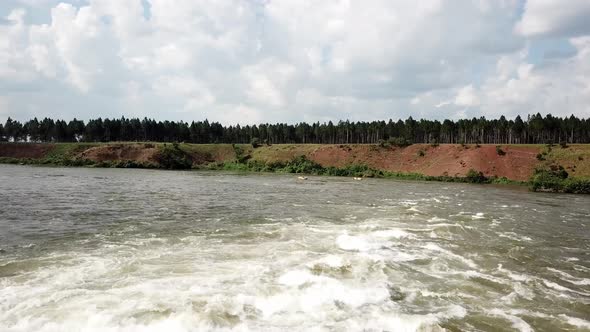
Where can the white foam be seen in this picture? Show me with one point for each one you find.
(517, 322)
(560, 288)
(569, 278)
(295, 278)
(512, 275)
(515, 237)
(392, 233)
(574, 321)
(352, 243)
(478, 215)
(466, 261)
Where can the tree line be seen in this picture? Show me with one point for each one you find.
(536, 129)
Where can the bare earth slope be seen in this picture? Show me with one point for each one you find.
(518, 162)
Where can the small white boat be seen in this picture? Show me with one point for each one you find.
(302, 178)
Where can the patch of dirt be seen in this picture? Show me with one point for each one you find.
(454, 160)
(25, 150)
(115, 152)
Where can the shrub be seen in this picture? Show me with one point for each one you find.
(383, 143)
(421, 153)
(499, 151)
(556, 179)
(540, 156)
(580, 158)
(303, 165)
(399, 142)
(474, 176)
(255, 142)
(563, 144)
(173, 158)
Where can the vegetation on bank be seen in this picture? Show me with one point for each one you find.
(549, 176)
(556, 179)
(302, 165)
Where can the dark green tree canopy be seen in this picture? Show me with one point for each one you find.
(535, 130)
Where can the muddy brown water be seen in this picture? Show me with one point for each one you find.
(142, 250)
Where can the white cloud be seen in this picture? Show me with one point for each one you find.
(290, 60)
(467, 97)
(555, 17)
(562, 88)
(266, 82)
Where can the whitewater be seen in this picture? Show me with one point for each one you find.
(86, 249)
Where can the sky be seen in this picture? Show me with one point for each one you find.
(254, 61)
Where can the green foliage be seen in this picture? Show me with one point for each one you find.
(504, 180)
(536, 129)
(14, 161)
(172, 157)
(540, 157)
(555, 179)
(499, 151)
(399, 142)
(474, 176)
(383, 143)
(549, 147)
(241, 155)
(255, 142)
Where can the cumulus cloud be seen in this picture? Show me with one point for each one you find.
(467, 97)
(555, 18)
(289, 60)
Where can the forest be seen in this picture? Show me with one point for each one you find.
(535, 129)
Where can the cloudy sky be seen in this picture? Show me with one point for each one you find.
(251, 61)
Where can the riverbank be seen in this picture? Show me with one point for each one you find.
(553, 167)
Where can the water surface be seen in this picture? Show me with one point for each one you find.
(140, 250)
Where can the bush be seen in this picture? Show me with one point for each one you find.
(540, 156)
(421, 153)
(563, 144)
(499, 151)
(255, 142)
(173, 158)
(555, 178)
(474, 176)
(399, 142)
(383, 143)
(303, 165)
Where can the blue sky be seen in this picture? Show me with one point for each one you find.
(250, 61)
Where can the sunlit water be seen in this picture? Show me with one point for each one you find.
(140, 250)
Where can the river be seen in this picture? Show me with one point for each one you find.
(85, 249)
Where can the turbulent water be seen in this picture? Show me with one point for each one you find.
(140, 250)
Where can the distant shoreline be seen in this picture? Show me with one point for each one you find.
(541, 166)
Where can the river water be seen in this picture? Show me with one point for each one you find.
(142, 250)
